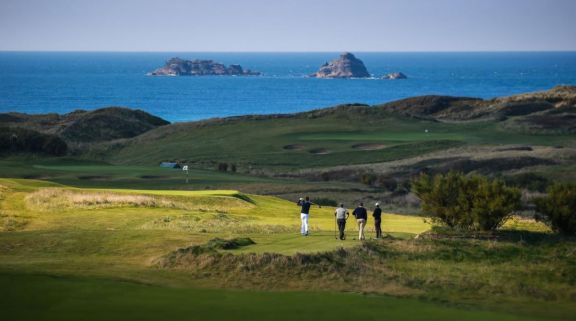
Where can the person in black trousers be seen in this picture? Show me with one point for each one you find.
(378, 220)
(341, 216)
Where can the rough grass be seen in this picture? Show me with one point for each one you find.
(342, 269)
(47, 199)
(9, 222)
(522, 275)
(498, 274)
(215, 223)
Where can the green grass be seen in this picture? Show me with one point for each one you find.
(38, 298)
(97, 259)
(75, 172)
(110, 229)
(261, 143)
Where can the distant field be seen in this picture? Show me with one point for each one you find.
(292, 143)
(87, 174)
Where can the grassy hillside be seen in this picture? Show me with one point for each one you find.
(104, 230)
(347, 153)
(82, 126)
(356, 153)
(288, 143)
(77, 245)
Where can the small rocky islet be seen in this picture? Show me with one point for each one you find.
(344, 67)
(198, 67)
(395, 76)
(348, 66)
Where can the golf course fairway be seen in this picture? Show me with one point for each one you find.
(70, 253)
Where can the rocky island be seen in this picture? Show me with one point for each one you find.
(394, 76)
(346, 66)
(181, 67)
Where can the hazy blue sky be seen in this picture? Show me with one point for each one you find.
(288, 25)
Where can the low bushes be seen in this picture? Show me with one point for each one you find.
(324, 201)
(558, 208)
(466, 202)
(20, 140)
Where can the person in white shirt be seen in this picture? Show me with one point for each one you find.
(304, 214)
(341, 217)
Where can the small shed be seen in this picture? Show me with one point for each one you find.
(169, 165)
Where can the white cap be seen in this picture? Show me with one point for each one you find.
(377, 204)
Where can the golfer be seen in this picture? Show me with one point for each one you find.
(361, 218)
(341, 217)
(377, 215)
(304, 213)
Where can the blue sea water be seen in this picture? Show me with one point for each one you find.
(60, 82)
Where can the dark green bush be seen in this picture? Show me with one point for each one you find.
(530, 181)
(558, 208)
(223, 167)
(20, 140)
(325, 201)
(368, 179)
(466, 202)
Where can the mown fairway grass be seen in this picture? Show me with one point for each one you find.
(92, 258)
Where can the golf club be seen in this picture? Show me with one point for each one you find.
(335, 223)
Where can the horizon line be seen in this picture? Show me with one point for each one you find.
(265, 51)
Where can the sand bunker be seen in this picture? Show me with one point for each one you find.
(369, 146)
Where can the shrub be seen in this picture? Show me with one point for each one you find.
(325, 201)
(20, 140)
(222, 167)
(368, 179)
(473, 203)
(559, 208)
(530, 181)
(388, 183)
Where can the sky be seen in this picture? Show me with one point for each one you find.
(287, 25)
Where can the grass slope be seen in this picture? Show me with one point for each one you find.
(302, 142)
(91, 250)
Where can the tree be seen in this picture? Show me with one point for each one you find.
(559, 208)
(493, 202)
(459, 201)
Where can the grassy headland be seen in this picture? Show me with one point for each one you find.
(103, 230)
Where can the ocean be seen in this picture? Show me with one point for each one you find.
(60, 82)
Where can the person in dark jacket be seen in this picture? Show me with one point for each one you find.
(304, 214)
(361, 218)
(378, 220)
(341, 216)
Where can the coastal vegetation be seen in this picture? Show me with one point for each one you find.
(460, 181)
(467, 202)
(558, 208)
(199, 242)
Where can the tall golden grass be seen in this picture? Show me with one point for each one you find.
(47, 199)
(9, 221)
